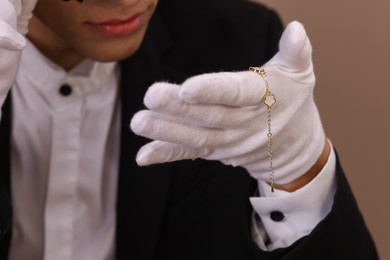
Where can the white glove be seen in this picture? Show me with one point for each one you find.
(14, 17)
(221, 116)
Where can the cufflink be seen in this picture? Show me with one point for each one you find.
(276, 216)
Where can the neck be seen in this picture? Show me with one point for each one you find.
(53, 47)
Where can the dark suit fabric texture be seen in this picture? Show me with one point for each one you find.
(200, 210)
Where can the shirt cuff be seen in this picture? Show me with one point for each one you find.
(288, 216)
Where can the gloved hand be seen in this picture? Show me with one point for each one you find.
(221, 116)
(14, 17)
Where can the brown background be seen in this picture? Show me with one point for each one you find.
(351, 43)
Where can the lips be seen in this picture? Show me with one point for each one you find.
(118, 27)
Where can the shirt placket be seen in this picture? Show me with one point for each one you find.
(62, 183)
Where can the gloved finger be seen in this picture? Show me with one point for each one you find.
(295, 50)
(28, 6)
(10, 39)
(164, 98)
(168, 129)
(16, 6)
(8, 13)
(226, 88)
(161, 152)
(25, 15)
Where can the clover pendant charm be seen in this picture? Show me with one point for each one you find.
(269, 99)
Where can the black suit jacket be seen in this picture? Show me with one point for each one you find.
(200, 210)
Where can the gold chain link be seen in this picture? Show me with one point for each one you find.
(268, 99)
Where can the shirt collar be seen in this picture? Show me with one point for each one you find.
(47, 77)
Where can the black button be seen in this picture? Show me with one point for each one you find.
(277, 216)
(65, 90)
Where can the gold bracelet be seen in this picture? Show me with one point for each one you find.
(268, 99)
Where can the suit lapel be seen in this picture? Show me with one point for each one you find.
(5, 168)
(142, 192)
(5, 142)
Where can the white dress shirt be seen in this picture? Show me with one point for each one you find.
(65, 153)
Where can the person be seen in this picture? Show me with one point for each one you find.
(209, 170)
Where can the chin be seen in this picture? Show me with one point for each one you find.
(111, 57)
(112, 51)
